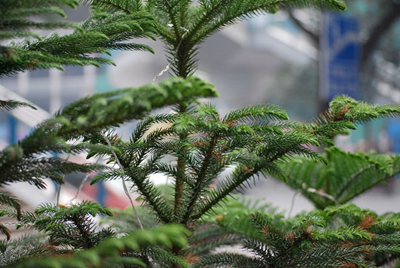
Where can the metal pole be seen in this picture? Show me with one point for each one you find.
(23, 83)
(55, 90)
(13, 124)
(323, 101)
(89, 80)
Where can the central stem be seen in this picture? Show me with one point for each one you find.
(179, 184)
(181, 57)
(180, 66)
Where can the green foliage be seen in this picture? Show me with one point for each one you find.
(27, 161)
(73, 226)
(6, 199)
(11, 104)
(250, 139)
(345, 176)
(206, 235)
(99, 34)
(112, 108)
(27, 246)
(247, 141)
(184, 25)
(108, 252)
(195, 147)
(354, 111)
(335, 237)
(71, 232)
(344, 236)
(16, 16)
(124, 221)
(346, 113)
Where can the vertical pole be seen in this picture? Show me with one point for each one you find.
(323, 93)
(54, 105)
(55, 90)
(88, 88)
(89, 80)
(23, 83)
(22, 89)
(101, 193)
(13, 124)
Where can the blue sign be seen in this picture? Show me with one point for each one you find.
(340, 56)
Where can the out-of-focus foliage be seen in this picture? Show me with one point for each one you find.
(344, 177)
(98, 34)
(338, 236)
(111, 251)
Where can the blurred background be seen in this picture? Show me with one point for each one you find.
(297, 59)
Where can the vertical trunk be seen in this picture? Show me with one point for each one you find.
(179, 184)
(180, 66)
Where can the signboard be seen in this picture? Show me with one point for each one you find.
(340, 48)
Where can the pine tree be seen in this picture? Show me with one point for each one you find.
(193, 148)
(201, 143)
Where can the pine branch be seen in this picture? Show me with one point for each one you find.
(10, 200)
(256, 113)
(345, 114)
(11, 104)
(99, 34)
(17, 4)
(239, 176)
(226, 260)
(150, 194)
(197, 189)
(343, 108)
(138, 173)
(221, 13)
(208, 237)
(5, 231)
(314, 239)
(26, 246)
(122, 105)
(72, 225)
(111, 6)
(164, 258)
(108, 252)
(344, 177)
